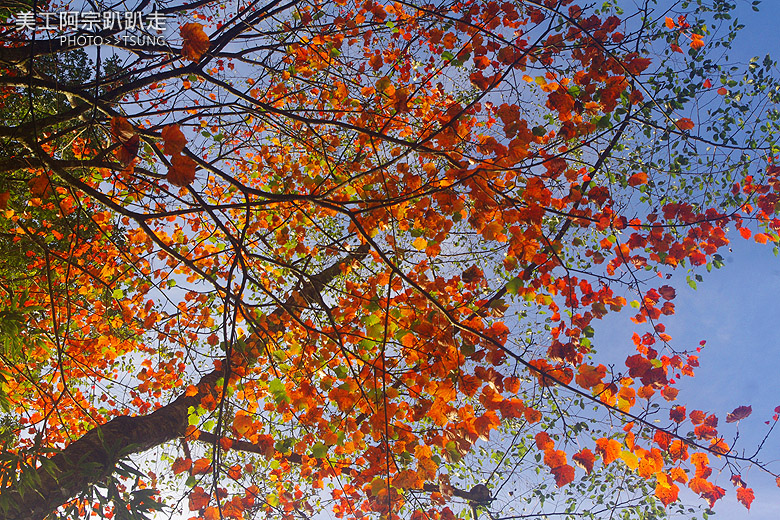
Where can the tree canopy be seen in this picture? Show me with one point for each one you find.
(290, 258)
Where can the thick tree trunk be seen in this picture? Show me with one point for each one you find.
(92, 458)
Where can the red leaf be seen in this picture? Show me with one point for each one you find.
(677, 414)
(563, 475)
(739, 413)
(198, 498)
(125, 135)
(667, 292)
(584, 459)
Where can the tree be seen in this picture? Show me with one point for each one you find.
(351, 256)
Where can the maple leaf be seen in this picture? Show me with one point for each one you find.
(739, 413)
(173, 140)
(182, 171)
(697, 41)
(195, 42)
(202, 465)
(590, 376)
(667, 292)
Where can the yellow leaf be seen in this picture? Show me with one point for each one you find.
(420, 243)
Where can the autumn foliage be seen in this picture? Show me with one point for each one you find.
(352, 256)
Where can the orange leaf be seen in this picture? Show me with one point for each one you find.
(195, 42)
(669, 23)
(678, 475)
(544, 442)
(182, 171)
(590, 376)
(532, 415)
(666, 490)
(191, 390)
(201, 466)
(745, 495)
(761, 238)
(493, 231)
(181, 465)
(173, 140)
(40, 186)
(585, 460)
(669, 393)
(609, 449)
(745, 232)
(4, 196)
(684, 123)
(198, 498)
(242, 424)
(678, 450)
(234, 472)
(739, 413)
(554, 458)
(638, 179)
